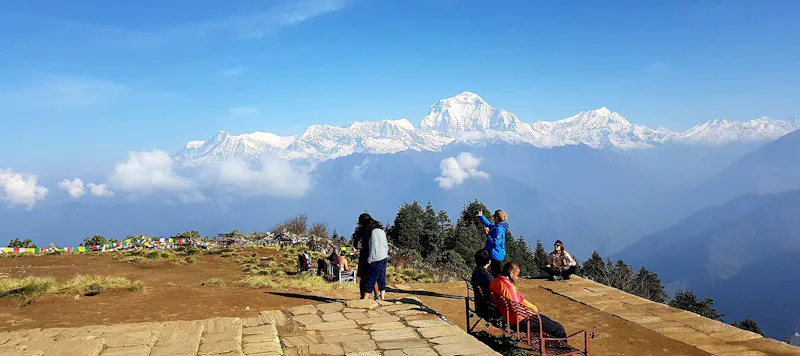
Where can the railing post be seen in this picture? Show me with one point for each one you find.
(586, 341)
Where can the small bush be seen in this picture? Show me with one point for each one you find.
(92, 285)
(296, 282)
(189, 261)
(28, 287)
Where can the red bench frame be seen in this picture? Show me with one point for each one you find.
(537, 343)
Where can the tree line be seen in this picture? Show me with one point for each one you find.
(429, 236)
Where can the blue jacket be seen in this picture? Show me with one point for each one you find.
(496, 242)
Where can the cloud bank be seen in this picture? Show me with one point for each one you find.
(456, 170)
(19, 189)
(145, 173)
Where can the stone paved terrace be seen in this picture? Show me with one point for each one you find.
(709, 335)
(352, 328)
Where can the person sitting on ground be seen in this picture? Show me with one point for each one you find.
(481, 280)
(505, 286)
(496, 239)
(560, 265)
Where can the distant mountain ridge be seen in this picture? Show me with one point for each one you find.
(467, 119)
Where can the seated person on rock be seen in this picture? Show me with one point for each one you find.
(481, 280)
(505, 286)
(560, 264)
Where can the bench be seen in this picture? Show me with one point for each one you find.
(304, 265)
(338, 274)
(537, 340)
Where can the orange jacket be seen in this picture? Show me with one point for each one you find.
(503, 286)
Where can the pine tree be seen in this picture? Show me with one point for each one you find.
(517, 250)
(409, 227)
(595, 269)
(749, 325)
(687, 300)
(647, 285)
(467, 234)
(540, 258)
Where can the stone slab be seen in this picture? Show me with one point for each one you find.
(397, 334)
(68, 347)
(263, 329)
(260, 338)
(220, 347)
(428, 323)
(307, 319)
(142, 350)
(326, 349)
(221, 325)
(230, 335)
(299, 341)
(463, 349)
(302, 310)
(336, 332)
(385, 326)
(180, 333)
(330, 307)
(272, 316)
(345, 338)
(175, 349)
(366, 353)
(361, 304)
(378, 320)
(455, 339)
(421, 317)
(136, 338)
(399, 307)
(402, 344)
(439, 331)
(356, 316)
(261, 347)
(418, 351)
(411, 312)
(333, 317)
(349, 324)
(359, 346)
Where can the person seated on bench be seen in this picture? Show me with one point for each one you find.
(481, 280)
(303, 263)
(560, 264)
(342, 262)
(505, 285)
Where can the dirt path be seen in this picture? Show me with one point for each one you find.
(174, 292)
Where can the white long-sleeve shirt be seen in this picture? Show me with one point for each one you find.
(378, 246)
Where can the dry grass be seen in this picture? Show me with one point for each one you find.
(217, 282)
(33, 287)
(293, 282)
(408, 275)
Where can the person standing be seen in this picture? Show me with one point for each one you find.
(363, 235)
(378, 258)
(560, 264)
(496, 239)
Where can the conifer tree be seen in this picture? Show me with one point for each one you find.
(749, 325)
(540, 258)
(687, 300)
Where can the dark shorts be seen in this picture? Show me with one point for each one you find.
(376, 274)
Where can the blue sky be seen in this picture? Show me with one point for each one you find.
(84, 82)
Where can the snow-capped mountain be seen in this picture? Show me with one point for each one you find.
(601, 128)
(468, 119)
(721, 132)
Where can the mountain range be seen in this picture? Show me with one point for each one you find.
(467, 119)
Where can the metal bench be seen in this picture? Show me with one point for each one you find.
(339, 274)
(537, 341)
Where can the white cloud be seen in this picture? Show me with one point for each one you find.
(73, 187)
(148, 171)
(271, 176)
(456, 170)
(232, 71)
(99, 190)
(242, 111)
(18, 189)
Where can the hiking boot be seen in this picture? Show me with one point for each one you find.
(566, 278)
